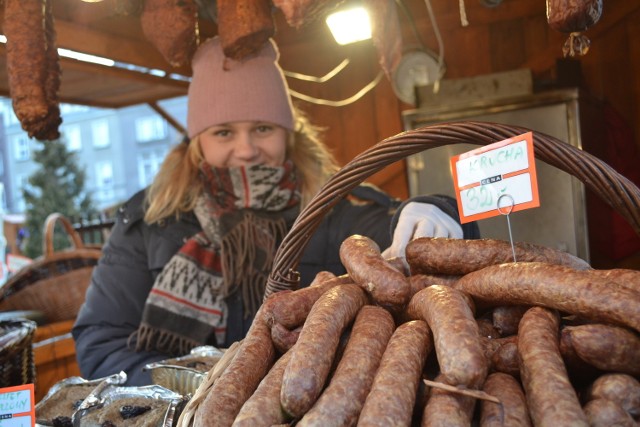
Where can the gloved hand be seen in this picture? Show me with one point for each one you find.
(421, 220)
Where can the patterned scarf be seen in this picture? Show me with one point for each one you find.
(241, 214)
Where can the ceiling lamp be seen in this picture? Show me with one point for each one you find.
(349, 25)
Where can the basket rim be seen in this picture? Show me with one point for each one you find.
(613, 188)
(87, 258)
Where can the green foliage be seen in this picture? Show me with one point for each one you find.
(57, 186)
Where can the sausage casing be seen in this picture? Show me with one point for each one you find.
(551, 398)
(620, 388)
(606, 347)
(362, 259)
(557, 287)
(439, 255)
(445, 408)
(394, 389)
(263, 407)
(291, 308)
(312, 356)
(455, 334)
(606, 413)
(240, 379)
(514, 410)
(342, 400)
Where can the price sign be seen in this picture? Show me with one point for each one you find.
(483, 175)
(17, 408)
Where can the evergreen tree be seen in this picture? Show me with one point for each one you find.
(57, 186)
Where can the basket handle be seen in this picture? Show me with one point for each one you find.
(616, 190)
(49, 228)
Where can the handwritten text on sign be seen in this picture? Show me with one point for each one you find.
(17, 406)
(482, 175)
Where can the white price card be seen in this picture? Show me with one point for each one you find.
(17, 407)
(482, 176)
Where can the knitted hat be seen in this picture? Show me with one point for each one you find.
(223, 90)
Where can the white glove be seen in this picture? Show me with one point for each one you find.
(421, 220)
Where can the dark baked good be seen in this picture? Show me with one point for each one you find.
(63, 402)
(135, 411)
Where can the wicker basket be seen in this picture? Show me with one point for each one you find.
(616, 190)
(16, 352)
(55, 283)
(612, 187)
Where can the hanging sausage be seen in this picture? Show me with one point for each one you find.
(573, 17)
(33, 67)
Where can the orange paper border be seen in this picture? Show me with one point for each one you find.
(534, 203)
(32, 412)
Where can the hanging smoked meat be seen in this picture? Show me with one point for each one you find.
(573, 17)
(244, 26)
(170, 25)
(33, 66)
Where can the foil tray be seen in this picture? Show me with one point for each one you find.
(182, 374)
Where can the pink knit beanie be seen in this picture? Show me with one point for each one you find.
(223, 90)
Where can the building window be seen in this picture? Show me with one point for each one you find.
(148, 165)
(21, 147)
(151, 128)
(73, 138)
(104, 181)
(100, 133)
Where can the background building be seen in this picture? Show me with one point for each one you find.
(120, 149)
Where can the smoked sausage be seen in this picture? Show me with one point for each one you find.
(263, 407)
(362, 259)
(514, 411)
(455, 334)
(557, 287)
(439, 255)
(244, 26)
(606, 347)
(313, 354)
(606, 413)
(445, 408)
(342, 400)
(620, 388)
(394, 389)
(240, 379)
(551, 398)
(170, 26)
(291, 308)
(283, 338)
(507, 317)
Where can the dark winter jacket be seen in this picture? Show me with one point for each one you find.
(136, 253)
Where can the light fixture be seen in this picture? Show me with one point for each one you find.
(350, 24)
(92, 1)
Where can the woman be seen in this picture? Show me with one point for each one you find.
(188, 259)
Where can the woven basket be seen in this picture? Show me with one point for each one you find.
(16, 352)
(55, 283)
(615, 189)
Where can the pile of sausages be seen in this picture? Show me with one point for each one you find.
(461, 335)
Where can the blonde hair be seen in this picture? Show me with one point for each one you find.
(176, 187)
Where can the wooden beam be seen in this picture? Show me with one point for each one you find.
(120, 49)
(168, 117)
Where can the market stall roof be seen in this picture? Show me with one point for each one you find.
(108, 30)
